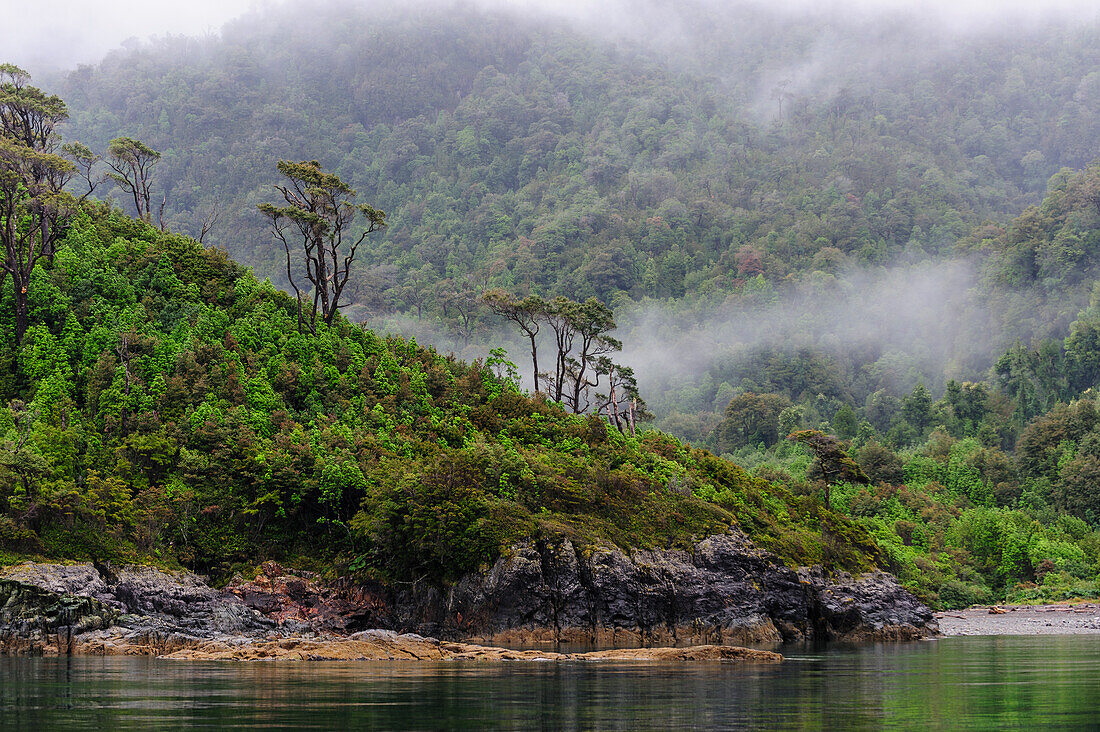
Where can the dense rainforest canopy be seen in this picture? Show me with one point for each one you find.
(164, 404)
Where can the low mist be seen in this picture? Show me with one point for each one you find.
(923, 322)
(928, 309)
(890, 328)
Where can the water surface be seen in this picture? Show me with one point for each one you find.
(953, 683)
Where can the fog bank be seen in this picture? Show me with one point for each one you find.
(59, 34)
(924, 321)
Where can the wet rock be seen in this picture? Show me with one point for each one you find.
(723, 591)
(136, 602)
(411, 647)
(184, 601)
(65, 579)
(871, 607)
(299, 600)
(31, 618)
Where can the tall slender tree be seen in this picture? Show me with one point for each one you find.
(582, 352)
(131, 162)
(85, 162)
(526, 314)
(319, 215)
(591, 321)
(33, 204)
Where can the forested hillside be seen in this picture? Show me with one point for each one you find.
(877, 238)
(998, 477)
(738, 160)
(164, 405)
(522, 153)
(868, 340)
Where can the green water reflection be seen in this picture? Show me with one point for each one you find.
(955, 683)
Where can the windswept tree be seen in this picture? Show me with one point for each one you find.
(85, 162)
(28, 118)
(318, 216)
(581, 368)
(131, 162)
(589, 322)
(526, 314)
(832, 464)
(208, 222)
(31, 214)
(33, 205)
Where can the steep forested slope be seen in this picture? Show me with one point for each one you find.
(163, 404)
(735, 168)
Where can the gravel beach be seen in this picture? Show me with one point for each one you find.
(1022, 620)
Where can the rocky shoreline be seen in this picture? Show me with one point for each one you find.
(724, 590)
(380, 645)
(655, 605)
(177, 616)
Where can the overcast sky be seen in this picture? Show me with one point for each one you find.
(66, 32)
(62, 33)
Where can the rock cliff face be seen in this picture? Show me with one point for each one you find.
(30, 614)
(725, 590)
(180, 600)
(81, 608)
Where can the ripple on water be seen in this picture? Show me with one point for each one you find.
(964, 682)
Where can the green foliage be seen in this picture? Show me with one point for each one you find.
(531, 159)
(945, 523)
(173, 410)
(163, 400)
(318, 215)
(752, 419)
(832, 464)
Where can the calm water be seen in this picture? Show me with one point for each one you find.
(955, 683)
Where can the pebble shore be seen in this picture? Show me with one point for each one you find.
(1083, 618)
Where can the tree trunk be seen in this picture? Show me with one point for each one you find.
(21, 310)
(614, 399)
(534, 362)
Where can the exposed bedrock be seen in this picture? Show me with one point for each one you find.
(723, 591)
(82, 608)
